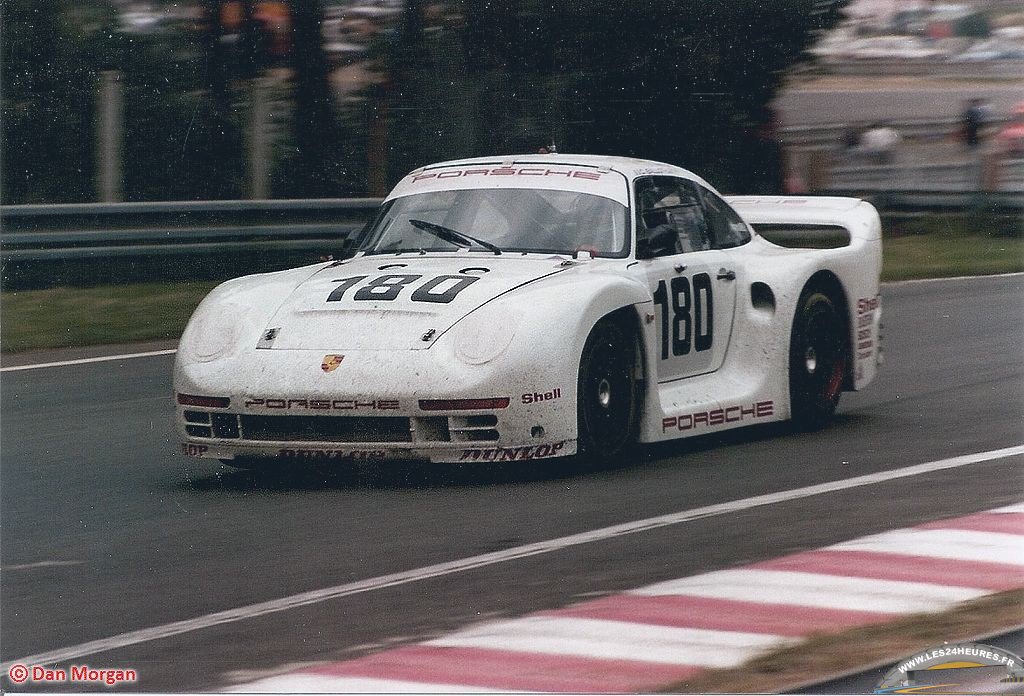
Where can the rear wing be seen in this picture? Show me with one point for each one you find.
(810, 220)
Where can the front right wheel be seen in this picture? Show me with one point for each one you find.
(818, 360)
(606, 400)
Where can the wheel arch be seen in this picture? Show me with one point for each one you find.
(828, 283)
(628, 316)
(627, 320)
(594, 298)
(561, 314)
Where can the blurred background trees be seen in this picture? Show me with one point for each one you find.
(48, 89)
(680, 81)
(181, 138)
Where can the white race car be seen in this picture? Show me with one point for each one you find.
(532, 307)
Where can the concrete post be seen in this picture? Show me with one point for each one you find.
(109, 137)
(259, 142)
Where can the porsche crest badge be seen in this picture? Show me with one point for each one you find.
(331, 362)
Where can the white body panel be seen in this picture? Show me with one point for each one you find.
(511, 326)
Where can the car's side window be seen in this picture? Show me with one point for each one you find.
(670, 219)
(726, 227)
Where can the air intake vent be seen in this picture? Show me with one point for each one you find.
(473, 428)
(325, 429)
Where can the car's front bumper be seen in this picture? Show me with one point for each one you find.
(371, 406)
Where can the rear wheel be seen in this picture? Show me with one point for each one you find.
(818, 360)
(606, 392)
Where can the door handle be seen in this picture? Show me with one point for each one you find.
(726, 274)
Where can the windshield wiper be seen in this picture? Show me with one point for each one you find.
(451, 236)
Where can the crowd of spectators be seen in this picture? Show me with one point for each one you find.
(979, 129)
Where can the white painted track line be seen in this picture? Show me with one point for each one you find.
(920, 281)
(84, 361)
(327, 684)
(954, 544)
(816, 590)
(614, 640)
(251, 611)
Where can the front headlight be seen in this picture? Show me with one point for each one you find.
(214, 332)
(484, 335)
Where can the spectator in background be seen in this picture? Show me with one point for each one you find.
(972, 123)
(1011, 137)
(879, 143)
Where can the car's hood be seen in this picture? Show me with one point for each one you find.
(357, 305)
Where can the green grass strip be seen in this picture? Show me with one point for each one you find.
(66, 317)
(949, 251)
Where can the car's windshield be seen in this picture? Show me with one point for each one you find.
(512, 219)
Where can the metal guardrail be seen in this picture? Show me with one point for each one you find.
(909, 178)
(941, 68)
(86, 244)
(832, 134)
(95, 231)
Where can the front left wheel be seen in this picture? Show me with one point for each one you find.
(606, 395)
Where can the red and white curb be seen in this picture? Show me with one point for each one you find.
(652, 636)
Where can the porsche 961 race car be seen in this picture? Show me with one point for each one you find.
(519, 308)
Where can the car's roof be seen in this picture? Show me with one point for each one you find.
(630, 167)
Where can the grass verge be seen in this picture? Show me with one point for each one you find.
(823, 656)
(946, 246)
(71, 317)
(67, 317)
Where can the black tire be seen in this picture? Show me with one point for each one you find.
(818, 360)
(606, 403)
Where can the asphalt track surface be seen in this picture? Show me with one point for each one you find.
(107, 530)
